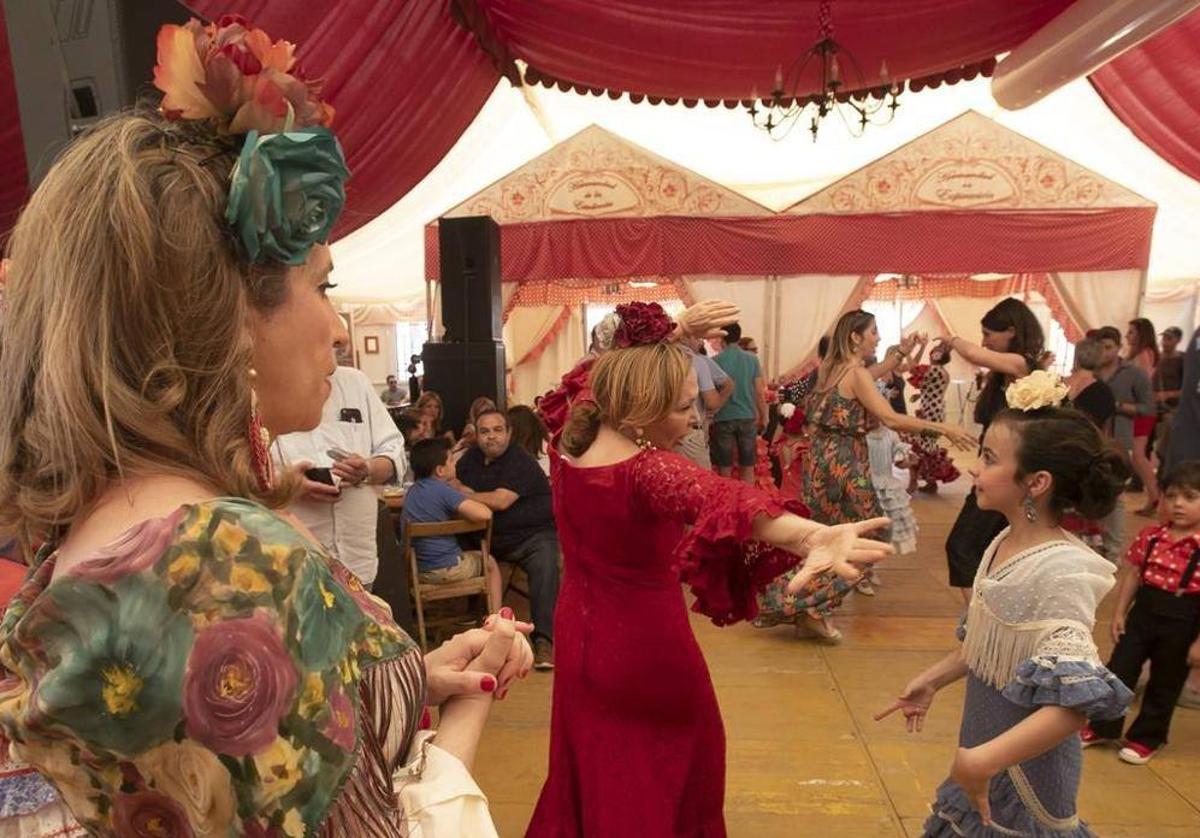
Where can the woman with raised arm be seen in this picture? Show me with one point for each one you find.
(184, 658)
(637, 745)
(1012, 347)
(843, 406)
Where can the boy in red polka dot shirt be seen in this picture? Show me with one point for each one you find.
(1162, 584)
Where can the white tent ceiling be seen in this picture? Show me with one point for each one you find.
(384, 261)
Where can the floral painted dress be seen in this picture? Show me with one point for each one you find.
(837, 489)
(837, 473)
(211, 673)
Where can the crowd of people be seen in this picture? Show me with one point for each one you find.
(197, 647)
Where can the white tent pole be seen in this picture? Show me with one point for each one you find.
(1086, 36)
(764, 337)
(778, 353)
(429, 308)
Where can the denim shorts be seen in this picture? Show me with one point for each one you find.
(743, 432)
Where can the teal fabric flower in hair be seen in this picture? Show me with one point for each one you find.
(288, 190)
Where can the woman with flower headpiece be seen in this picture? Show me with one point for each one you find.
(1033, 673)
(1012, 347)
(184, 659)
(636, 744)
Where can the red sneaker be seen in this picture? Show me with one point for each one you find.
(1135, 753)
(1089, 737)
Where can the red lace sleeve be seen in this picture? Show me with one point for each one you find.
(716, 558)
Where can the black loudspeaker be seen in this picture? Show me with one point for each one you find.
(470, 271)
(461, 373)
(77, 60)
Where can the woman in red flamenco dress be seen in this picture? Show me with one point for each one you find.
(637, 745)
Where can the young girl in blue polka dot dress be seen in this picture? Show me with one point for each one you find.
(1032, 669)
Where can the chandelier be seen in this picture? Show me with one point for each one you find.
(857, 105)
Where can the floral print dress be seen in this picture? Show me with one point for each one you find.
(837, 489)
(211, 673)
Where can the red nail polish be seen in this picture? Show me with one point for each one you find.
(487, 684)
(507, 613)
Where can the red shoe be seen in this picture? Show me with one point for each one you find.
(1089, 737)
(1135, 753)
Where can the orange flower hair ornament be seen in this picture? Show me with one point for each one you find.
(288, 186)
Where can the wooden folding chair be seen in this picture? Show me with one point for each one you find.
(425, 592)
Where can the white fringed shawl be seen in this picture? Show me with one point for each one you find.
(1041, 604)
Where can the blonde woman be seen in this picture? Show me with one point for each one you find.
(431, 405)
(631, 689)
(184, 658)
(843, 406)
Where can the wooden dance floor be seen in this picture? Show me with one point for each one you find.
(805, 757)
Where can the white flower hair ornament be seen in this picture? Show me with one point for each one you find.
(606, 330)
(787, 410)
(1039, 389)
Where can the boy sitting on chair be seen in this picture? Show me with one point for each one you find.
(432, 500)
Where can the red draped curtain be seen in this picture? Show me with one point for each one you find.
(714, 50)
(950, 241)
(14, 177)
(1155, 90)
(407, 78)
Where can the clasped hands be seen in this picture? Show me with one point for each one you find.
(479, 663)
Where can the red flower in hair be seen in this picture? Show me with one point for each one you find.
(642, 324)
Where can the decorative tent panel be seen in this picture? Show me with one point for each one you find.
(969, 163)
(581, 292)
(950, 241)
(596, 174)
(1006, 205)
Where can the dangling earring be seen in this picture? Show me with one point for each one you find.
(640, 439)
(260, 441)
(1030, 510)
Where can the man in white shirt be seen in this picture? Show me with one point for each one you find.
(360, 445)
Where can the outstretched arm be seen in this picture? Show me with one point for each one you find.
(670, 486)
(917, 696)
(878, 406)
(1007, 363)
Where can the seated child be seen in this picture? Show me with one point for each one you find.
(1163, 586)
(431, 500)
